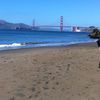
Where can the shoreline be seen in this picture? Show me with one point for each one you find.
(89, 44)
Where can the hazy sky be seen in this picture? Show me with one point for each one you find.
(75, 12)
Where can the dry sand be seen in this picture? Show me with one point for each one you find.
(56, 73)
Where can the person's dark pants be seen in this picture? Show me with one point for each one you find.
(98, 42)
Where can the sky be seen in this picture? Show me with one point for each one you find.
(48, 12)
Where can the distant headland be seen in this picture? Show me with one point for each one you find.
(14, 26)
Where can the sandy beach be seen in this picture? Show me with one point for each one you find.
(56, 73)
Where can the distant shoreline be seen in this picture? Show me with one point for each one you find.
(30, 30)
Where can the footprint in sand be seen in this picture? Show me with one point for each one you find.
(68, 68)
(12, 98)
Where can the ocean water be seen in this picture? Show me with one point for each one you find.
(10, 39)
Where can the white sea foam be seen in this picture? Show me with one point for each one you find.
(10, 45)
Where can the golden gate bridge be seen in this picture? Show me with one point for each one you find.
(61, 26)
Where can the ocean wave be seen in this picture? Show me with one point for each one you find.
(10, 45)
(39, 44)
(32, 43)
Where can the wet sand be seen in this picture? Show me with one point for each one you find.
(56, 73)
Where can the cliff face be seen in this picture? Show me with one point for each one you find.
(7, 25)
(95, 33)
